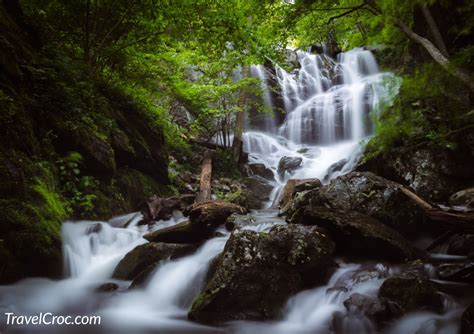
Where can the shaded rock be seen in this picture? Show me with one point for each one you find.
(204, 217)
(261, 170)
(461, 244)
(212, 213)
(296, 185)
(157, 208)
(107, 287)
(95, 228)
(335, 167)
(288, 164)
(467, 320)
(238, 221)
(378, 311)
(458, 272)
(258, 192)
(433, 173)
(138, 259)
(463, 197)
(374, 196)
(411, 293)
(258, 272)
(358, 234)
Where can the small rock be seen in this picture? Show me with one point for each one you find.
(288, 164)
(107, 287)
(261, 170)
(463, 197)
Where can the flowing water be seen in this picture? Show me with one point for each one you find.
(328, 105)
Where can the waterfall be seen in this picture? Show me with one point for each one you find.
(329, 105)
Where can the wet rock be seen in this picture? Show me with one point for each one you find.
(378, 311)
(212, 213)
(457, 272)
(157, 208)
(461, 244)
(258, 192)
(467, 320)
(434, 174)
(138, 259)
(238, 221)
(335, 167)
(296, 185)
(258, 272)
(107, 287)
(204, 217)
(288, 164)
(261, 170)
(463, 197)
(96, 228)
(358, 234)
(411, 294)
(373, 196)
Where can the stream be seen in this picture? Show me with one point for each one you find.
(328, 104)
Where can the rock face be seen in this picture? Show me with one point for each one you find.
(462, 244)
(293, 186)
(258, 191)
(142, 257)
(411, 293)
(371, 195)
(288, 164)
(262, 171)
(378, 311)
(358, 234)
(434, 174)
(467, 320)
(204, 217)
(258, 272)
(463, 197)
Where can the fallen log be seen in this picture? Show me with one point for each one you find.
(456, 220)
(205, 183)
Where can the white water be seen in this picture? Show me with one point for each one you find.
(326, 118)
(328, 107)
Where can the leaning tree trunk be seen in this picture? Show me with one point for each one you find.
(437, 55)
(206, 172)
(438, 39)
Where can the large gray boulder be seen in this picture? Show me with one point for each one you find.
(358, 234)
(258, 272)
(204, 217)
(146, 255)
(371, 195)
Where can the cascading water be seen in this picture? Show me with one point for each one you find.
(327, 105)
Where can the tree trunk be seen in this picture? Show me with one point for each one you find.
(237, 144)
(438, 39)
(206, 172)
(455, 220)
(437, 55)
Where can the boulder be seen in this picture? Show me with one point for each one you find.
(204, 217)
(373, 196)
(258, 272)
(380, 312)
(433, 173)
(157, 208)
(463, 197)
(467, 320)
(262, 171)
(457, 272)
(296, 185)
(358, 234)
(149, 254)
(335, 167)
(411, 293)
(107, 287)
(461, 244)
(288, 164)
(258, 191)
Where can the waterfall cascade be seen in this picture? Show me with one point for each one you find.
(328, 105)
